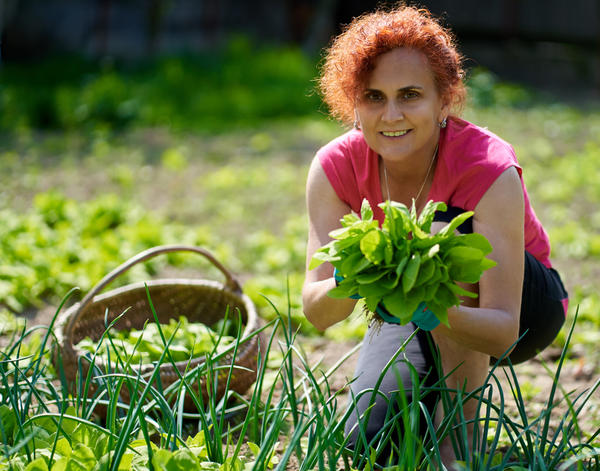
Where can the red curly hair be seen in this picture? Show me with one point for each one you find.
(351, 58)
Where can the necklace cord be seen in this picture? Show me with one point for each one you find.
(387, 183)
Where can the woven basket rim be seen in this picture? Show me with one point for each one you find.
(252, 321)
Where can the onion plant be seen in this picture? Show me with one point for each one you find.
(291, 418)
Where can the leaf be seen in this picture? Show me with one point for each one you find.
(353, 264)
(8, 422)
(344, 290)
(390, 281)
(410, 274)
(63, 448)
(446, 296)
(395, 303)
(452, 225)
(39, 464)
(463, 255)
(440, 311)
(388, 252)
(372, 245)
(319, 257)
(161, 458)
(366, 213)
(351, 239)
(426, 271)
(372, 302)
(126, 462)
(198, 440)
(397, 220)
(460, 291)
(467, 273)
(476, 240)
(349, 219)
(183, 460)
(370, 277)
(347, 234)
(428, 213)
(401, 265)
(254, 448)
(430, 291)
(418, 293)
(372, 289)
(487, 263)
(400, 305)
(82, 458)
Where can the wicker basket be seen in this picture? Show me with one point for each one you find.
(203, 301)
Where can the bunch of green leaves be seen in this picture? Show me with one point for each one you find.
(189, 340)
(402, 264)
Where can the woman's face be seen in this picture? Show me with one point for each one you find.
(400, 110)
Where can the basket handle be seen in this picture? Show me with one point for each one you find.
(230, 281)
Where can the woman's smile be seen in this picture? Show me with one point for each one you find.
(395, 133)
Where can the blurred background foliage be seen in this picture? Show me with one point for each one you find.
(208, 92)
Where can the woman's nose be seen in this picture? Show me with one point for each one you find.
(393, 111)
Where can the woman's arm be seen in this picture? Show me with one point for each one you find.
(493, 326)
(325, 210)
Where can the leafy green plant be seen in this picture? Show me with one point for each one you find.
(401, 264)
(188, 340)
(62, 243)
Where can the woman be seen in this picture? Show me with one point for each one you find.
(397, 76)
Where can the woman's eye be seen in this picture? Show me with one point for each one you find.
(410, 94)
(373, 96)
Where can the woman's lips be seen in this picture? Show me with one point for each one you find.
(395, 133)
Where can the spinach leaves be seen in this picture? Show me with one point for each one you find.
(401, 264)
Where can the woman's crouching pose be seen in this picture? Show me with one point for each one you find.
(397, 77)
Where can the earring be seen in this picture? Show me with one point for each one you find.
(356, 123)
(444, 123)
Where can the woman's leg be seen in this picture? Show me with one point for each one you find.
(543, 310)
(380, 344)
(464, 370)
(542, 315)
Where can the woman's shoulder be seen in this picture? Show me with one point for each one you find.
(463, 135)
(471, 159)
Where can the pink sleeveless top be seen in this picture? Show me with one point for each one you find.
(470, 159)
